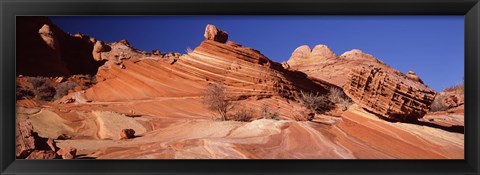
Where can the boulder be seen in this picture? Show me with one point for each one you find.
(127, 134)
(98, 48)
(389, 94)
(215, 34)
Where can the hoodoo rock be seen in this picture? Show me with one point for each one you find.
(388, 94)
(215, 34)
(98, 48)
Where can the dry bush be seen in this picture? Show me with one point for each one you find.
(337, 96)
(46, 93)
(267, 114)
(63, 89)
(41, 88)
(37, 81)
(314, 101)
(438, 104)
(216, 99)
(23, 93)
(243, 114)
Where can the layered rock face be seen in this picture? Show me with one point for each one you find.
(323, 64)
(388, 94)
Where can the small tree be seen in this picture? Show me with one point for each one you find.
(266, 114)
(215, 98)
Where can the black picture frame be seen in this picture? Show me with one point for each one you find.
(9, 9)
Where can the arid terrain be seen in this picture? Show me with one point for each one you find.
(81, 98)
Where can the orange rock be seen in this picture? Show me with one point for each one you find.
(388, 94)
(215, 34)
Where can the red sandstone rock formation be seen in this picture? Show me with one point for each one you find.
(215, 34)
(164, 91)
(388, 94)
(31, 146)
(25, 142)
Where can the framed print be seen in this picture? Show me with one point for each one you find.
(294, 87)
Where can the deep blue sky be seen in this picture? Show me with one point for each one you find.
(431, 46)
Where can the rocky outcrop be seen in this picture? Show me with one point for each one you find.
(31, 146)
(390, 95)
(215, 34)
(413, 76)
(98, 48)
(303, 55)
(127, 134)
(43, 49)
(323, 64)
(25, 142)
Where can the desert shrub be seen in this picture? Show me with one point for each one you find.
(23, 93)
(37, 81)
(243, 114)
(216, 99)
(45, 93)
(438, 104)
(63, 89)
(314, 101)
(267, 114)
(337, 96)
